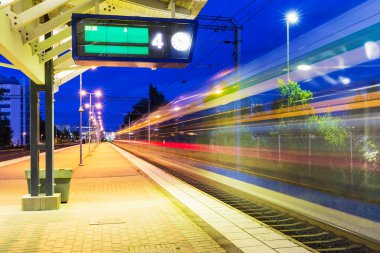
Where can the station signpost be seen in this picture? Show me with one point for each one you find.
(103, 40)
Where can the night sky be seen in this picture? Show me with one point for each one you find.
(264, 29)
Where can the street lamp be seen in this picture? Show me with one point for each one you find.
(91, 118)
(291, 17)
(81, 93)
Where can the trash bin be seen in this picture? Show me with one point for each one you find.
(62, 178)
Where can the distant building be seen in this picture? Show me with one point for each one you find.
(15, 106)
(110, 136)
(62, 127)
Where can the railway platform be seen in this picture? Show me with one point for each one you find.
(120, 203)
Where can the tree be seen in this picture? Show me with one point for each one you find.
(156, 98)
(292, 98)
(5, 127)
(291, 94)
(76, 135)
(5, 132)
(66, 134)
(331, 128)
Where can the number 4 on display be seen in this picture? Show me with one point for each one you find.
(157, 41)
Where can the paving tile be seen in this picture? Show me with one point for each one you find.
(251, 242)
(270, 236)
(258, 249)
(293, 250)
(276, 244)
(239, 235)
(255, 231)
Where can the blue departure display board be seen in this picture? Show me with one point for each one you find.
(103, 40)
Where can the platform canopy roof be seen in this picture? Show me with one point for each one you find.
(24, 24)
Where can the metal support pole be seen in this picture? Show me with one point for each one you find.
(80, 122)
(237, 46)
(172, 3)
(49, 132)
(129, 126)
(34, 136)
(89, 126)
(149, 121)
(287, 50)
(351, 162)
(258, 147)
(96, 6)
(279, 148)
(309, 154)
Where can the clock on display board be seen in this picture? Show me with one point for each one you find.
(181, 41)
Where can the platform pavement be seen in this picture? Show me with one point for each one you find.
(112, 208)
(115, 207)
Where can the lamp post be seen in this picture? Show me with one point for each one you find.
(80, 120)
(89, 106)
(291, 17)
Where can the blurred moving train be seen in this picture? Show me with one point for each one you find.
(329, 142)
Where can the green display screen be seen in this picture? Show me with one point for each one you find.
(106, 49)
(116, 34)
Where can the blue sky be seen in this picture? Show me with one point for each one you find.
(264, 29)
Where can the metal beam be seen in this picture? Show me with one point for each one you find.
(6, 65)
(39, 47)
(21, 19)
(63, 59)
(59, 70)
(35, 33)
(158, 6)
(5, 3)
(44, 57)
(12, 48)
(69, 76)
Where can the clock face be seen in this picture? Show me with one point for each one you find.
(181, 41)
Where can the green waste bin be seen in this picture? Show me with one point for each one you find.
(62, 178)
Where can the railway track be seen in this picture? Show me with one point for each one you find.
(314, 234)
(9, 154)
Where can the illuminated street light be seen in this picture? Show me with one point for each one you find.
(98, 106)
(291, 17)
(87, 105)
(98, 93)
(99, 113)
(83, 93)
(304, 67)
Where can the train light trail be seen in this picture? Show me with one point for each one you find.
(218, 91)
